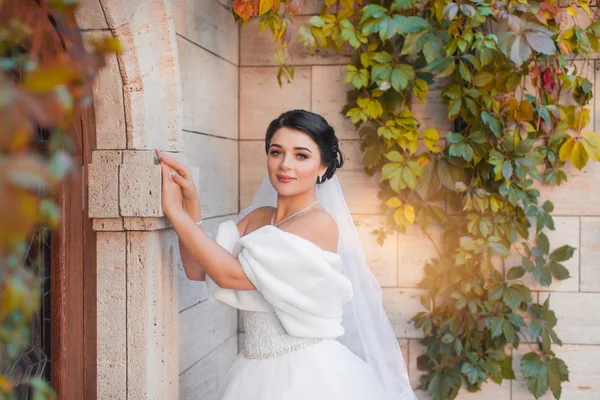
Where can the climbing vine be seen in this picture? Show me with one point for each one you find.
(35, 92)
(512, 76)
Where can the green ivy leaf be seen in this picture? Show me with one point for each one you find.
(559, 271)
(542, 243)
(381, 73)
(474, 374)
(454, 107)
(464, 71)
(511, 298)
(382, 57)
(492, 122)
(507, 170)
(516, 319)
(557, 373)
(515, 273)
(563, 253)
(433, 48)
(506, 368)
(413, 25)
(509, 332)
(413, 43)
(373, 11)
(483, 79)
(401, 75)
(494, 324)
(535, 373)
(448, 338)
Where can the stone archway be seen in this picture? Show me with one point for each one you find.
(137, 101)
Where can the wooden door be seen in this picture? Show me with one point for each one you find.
(65, 329)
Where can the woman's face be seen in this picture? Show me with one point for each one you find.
(293, 162)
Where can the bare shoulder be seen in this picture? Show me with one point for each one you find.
(255, 219)
(318, 227)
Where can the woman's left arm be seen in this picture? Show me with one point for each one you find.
(219, 264)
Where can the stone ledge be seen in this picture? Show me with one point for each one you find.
(125, 190)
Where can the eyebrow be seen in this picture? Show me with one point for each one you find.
(295, 148)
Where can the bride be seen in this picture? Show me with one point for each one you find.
(295, 268)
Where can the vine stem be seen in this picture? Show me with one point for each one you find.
(437, 250)
(527, 340)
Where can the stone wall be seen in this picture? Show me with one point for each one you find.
(187, 83)
(137, 109)
(175, 88)
(398, 265)
(208, 48)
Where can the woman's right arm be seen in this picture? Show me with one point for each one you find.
(193, 270)
(224, 269)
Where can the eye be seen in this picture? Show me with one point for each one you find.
(302, 155)
(274, 152)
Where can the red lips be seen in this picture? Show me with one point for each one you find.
(285, 178)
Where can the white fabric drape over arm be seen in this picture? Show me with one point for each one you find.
(302, 283)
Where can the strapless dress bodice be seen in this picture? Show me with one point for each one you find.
(266, 337)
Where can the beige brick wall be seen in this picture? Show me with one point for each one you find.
(211, 105)
(208, 51)
(398, 265)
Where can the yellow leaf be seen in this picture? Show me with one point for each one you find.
(592, 138)
(525, 110)
(527, 127)
(265, 6)
(279, 56)
(412, 146)
(113, 44)
(46, 79)
(585, 6)
(593, 152)
(375, 109)
(579, 156)
(400, 218)
(495, 203)
(581, 119)
(566, 149)
(432, 136)
(409, 213)
(393, 202)
(572, 11)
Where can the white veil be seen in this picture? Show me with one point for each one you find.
(368, 332)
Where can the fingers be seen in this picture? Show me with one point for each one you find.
(166, 173)
(180, 168)
(178, 179)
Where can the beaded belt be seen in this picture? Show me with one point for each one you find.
(281, 352)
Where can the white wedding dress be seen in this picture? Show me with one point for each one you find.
(291, 321)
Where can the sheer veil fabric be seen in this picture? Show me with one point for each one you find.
(368, 332)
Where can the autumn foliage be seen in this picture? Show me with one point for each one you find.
(519, 104)
(37, 91)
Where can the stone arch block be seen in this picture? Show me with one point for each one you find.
(148, 69)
